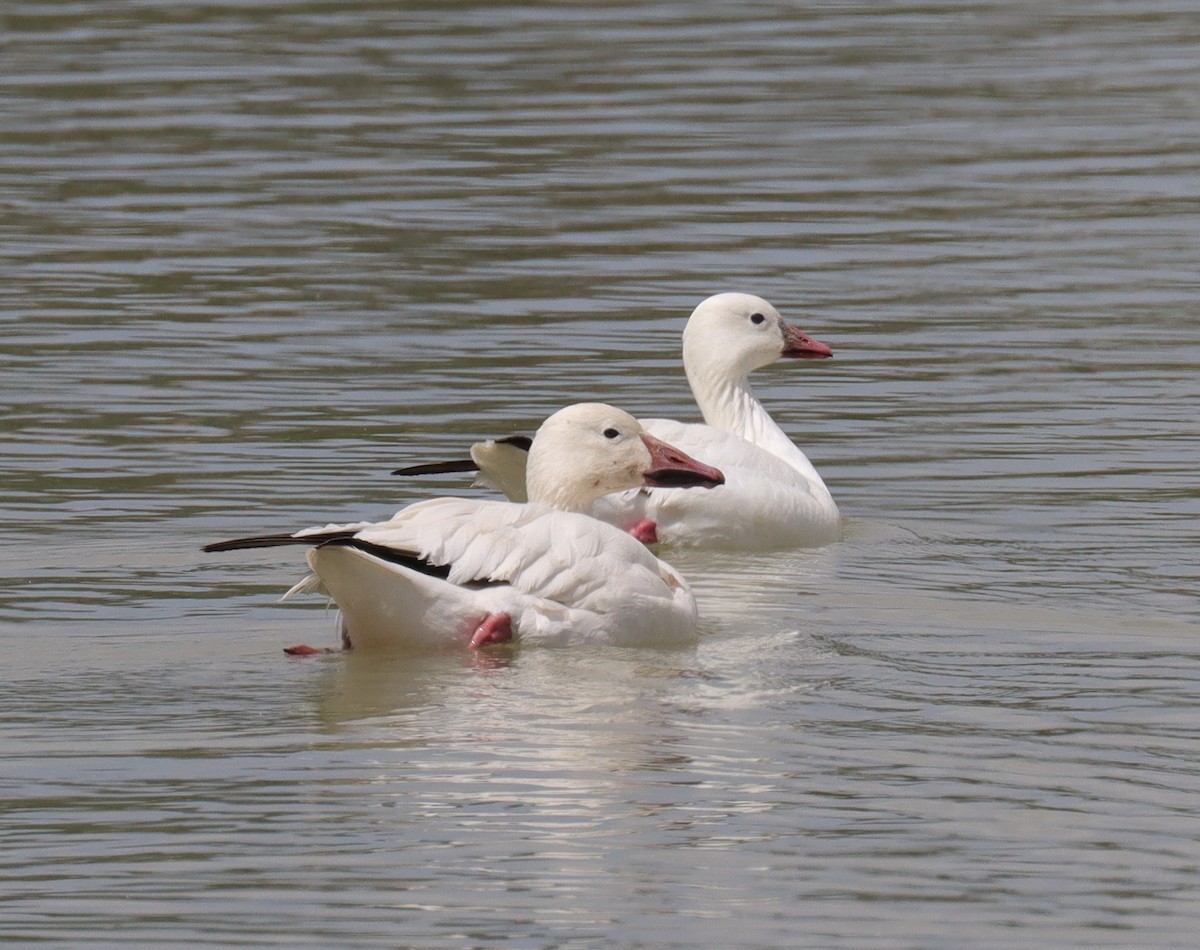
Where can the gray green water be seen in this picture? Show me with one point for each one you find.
(256, 254)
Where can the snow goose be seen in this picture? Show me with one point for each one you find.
(773, 498)
(475, 571)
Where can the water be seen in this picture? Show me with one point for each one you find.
(257, 254)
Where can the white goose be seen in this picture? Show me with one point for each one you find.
(472, 572)
(773, 497)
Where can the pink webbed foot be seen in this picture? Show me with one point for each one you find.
(645, 531)
(495, 628)
(303, 649)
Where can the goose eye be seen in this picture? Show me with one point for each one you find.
(757, 318)
(611, 433)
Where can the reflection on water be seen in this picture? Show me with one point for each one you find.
(261, 254)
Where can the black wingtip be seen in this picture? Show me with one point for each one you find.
(409, 559)
(522, 442)
(276, 540)
(264, 541)
(457, 466)
(438, 468)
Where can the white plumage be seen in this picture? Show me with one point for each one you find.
(561, 577)
(764, 505)
(773, 498)
(456, 570)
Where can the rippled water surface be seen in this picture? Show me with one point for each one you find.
(256, 254)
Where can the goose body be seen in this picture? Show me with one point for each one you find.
(769, 505)
(474, 571)
(773, 497)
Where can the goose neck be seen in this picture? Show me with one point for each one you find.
(728, 404)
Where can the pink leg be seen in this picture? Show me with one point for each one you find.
(495, 628)
(645, 531)
(303, 649)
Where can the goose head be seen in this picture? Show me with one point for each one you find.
(728, 336)
(590, 449)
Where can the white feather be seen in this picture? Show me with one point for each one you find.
(555, 574)
(561, 577)
(773, 497)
